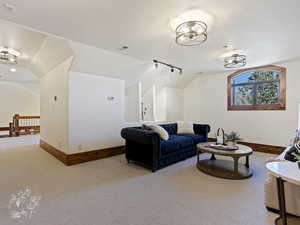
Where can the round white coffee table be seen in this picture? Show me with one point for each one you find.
(284, 171)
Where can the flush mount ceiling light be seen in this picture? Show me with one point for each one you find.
(192, 26)
(235, 61)
(8, 55)
(191, 33)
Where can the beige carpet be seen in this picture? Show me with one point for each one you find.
(111, 192)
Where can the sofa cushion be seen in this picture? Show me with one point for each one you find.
(185, 127)
(169, 146)
(195, 137)
(163, 134)
(184, 141)
(175, 143)
(171, 128)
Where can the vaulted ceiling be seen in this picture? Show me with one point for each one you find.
(266, 31)
(44, 51)
(22, 76)
(26, 41)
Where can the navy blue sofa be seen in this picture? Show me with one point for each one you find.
(147, 149)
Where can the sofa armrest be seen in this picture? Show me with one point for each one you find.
(142, 146)
(202, 129)
(140, 135)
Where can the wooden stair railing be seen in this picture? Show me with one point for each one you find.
(24, 125)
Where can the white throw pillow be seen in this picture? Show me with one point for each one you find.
(163, 134)
(184, 127)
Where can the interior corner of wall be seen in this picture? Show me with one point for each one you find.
(71, 65)
(52, 52)
(39, 50)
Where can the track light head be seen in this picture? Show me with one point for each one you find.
(155, 63)
(172, 69)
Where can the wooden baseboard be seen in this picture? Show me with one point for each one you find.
(81, 157)
(61, 156)
(94, 155)
(4, 128)
(260, 147)
(4, 136)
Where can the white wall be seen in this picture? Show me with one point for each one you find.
(54, 114)
(205, 101)
(175, 104)
(95, 122)
(148, 103)
(51, 53)
(161, 104)
(16, 99)
(132, 103)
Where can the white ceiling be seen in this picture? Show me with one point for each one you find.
(266, 30)
(95, 30)
(49, 51)
(26, 41)
(22, 76)
(88, 59)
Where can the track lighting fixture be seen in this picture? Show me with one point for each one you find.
(173, 68)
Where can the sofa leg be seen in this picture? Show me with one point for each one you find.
(128, 161)
(153, 170)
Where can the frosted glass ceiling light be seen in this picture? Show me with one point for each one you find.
(8, 55)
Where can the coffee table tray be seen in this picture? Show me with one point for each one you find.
(222, 147)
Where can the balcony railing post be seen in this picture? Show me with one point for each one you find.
(11, 129)
(17, 124)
